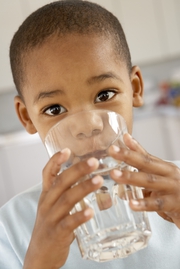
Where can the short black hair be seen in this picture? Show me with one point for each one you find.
(60, 18)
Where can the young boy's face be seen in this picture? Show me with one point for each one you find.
(75, 73)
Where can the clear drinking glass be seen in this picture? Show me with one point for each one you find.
(115, 231)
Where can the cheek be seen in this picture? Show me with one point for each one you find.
(128, 116)
(129, 126)
(126, 112)
(42, 133)
(41, 123)
(41, 128)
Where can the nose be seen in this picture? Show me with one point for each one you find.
(87, 124)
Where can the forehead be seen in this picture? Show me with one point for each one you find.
(73, 46)
(71, 56)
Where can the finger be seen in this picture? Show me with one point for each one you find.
(71, 222)
(75, 195)
(164, 203)
(52, 168)
(132, 144)
(103, 198)
(165, 216)
(146, 193)
(70, 177)
(145, 180)
(144, 161)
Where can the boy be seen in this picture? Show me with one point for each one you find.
(68, 57)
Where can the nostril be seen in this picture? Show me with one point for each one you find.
(88, 134)
(81, 136)
(96, 131)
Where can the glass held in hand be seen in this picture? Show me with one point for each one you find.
(115, 231)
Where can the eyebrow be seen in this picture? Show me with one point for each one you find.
(47, 94)
(102, 77)
(92, 80)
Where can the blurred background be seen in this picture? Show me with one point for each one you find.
(152, 29)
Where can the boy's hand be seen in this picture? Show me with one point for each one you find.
(160, 179)
(54, 226)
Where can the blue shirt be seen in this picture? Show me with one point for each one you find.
(17, 219)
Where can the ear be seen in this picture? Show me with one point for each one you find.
(137, 85)
(23, 115)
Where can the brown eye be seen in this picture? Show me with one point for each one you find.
(104, 96)
(54, 110)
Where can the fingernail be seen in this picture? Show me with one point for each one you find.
(65, 150)
(134, 141)
(88, 212)
(96, 180)
(132, 138)
(91, 162)
(135, 202)
(117, 173)
(115, 148)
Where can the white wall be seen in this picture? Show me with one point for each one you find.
(158, 132)
(22, 159)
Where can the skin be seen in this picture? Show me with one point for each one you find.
(70, 72)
